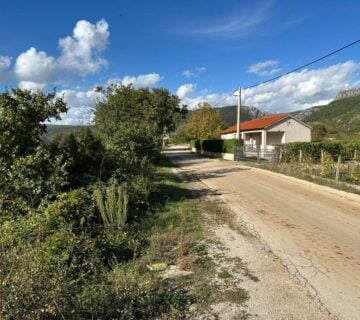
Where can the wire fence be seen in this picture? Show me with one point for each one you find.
(326, 168)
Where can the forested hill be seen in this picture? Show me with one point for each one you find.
(55, 129)
(340, 116)
(229, 114)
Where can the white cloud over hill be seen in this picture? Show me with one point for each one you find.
(303, 89)
(296, 91)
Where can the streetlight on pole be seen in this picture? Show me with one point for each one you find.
(238, 114)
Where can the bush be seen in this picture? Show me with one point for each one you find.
(50, 257)
(85, 156)
(218, 145)
(313, 149)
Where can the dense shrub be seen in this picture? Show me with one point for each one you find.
(65, 255)
(218, 145)
(85, 156)
(51, 256)
(313, 149)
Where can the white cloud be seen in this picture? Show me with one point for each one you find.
(5, 63)
(80, 105)
(194, 73)
(296, 91)
(80, 55)
(302, 89)
(149, 80)
(34, 69)
(30, 85)
(212, 98)
(265, 68)
(234, 25)
(185, 89)
(81, 51)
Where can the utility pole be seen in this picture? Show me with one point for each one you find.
(238, 114)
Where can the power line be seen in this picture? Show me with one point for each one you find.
(226, 97)
(292, 71)
(305, 65)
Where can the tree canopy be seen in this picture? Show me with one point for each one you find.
(204, 123)
(133, 122)
(22, 121)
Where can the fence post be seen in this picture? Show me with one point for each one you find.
(258, 153)
(280, 155)
(355, 154)
(352, 169)
(322, 156)
(300, 155)
(338, 169)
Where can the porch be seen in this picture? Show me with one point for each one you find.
(262, 142)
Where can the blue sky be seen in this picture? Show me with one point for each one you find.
(200, 49)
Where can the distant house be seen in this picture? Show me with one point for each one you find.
(264, 133)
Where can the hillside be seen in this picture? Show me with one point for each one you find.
(340, 116)
(229, 114)
(55, 129)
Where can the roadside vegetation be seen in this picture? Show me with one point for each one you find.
(94, 224)
(84, 218)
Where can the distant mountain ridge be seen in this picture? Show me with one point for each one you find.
(53, 130)
(348, 93)
(341, 116)
(229, 114)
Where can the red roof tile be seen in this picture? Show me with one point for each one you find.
(256, 124)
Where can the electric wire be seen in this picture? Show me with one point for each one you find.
(291, 71)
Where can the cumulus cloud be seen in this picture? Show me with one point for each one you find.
(149, 80)
(194, 73)
(185, 90)
(81, 54)
(31, 85)
(34, 69)
(296, 91)
(212, 98)
(80, 105)
(265, 68)
(81, 51)
(303, 89)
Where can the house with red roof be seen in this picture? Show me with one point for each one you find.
(265, 133)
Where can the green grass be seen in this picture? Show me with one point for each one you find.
(174, 235)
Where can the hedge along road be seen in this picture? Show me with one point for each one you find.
(314, 230)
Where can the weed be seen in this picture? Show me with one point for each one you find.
(224, 274)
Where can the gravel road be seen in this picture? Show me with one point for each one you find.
(314, 230)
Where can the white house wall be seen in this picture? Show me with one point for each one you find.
(293, 130)
(228, 136)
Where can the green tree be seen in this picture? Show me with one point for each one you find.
(318, 132)
(133, 122)
(22, 121)
(204, 123)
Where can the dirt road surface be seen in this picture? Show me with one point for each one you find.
(313, 230)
